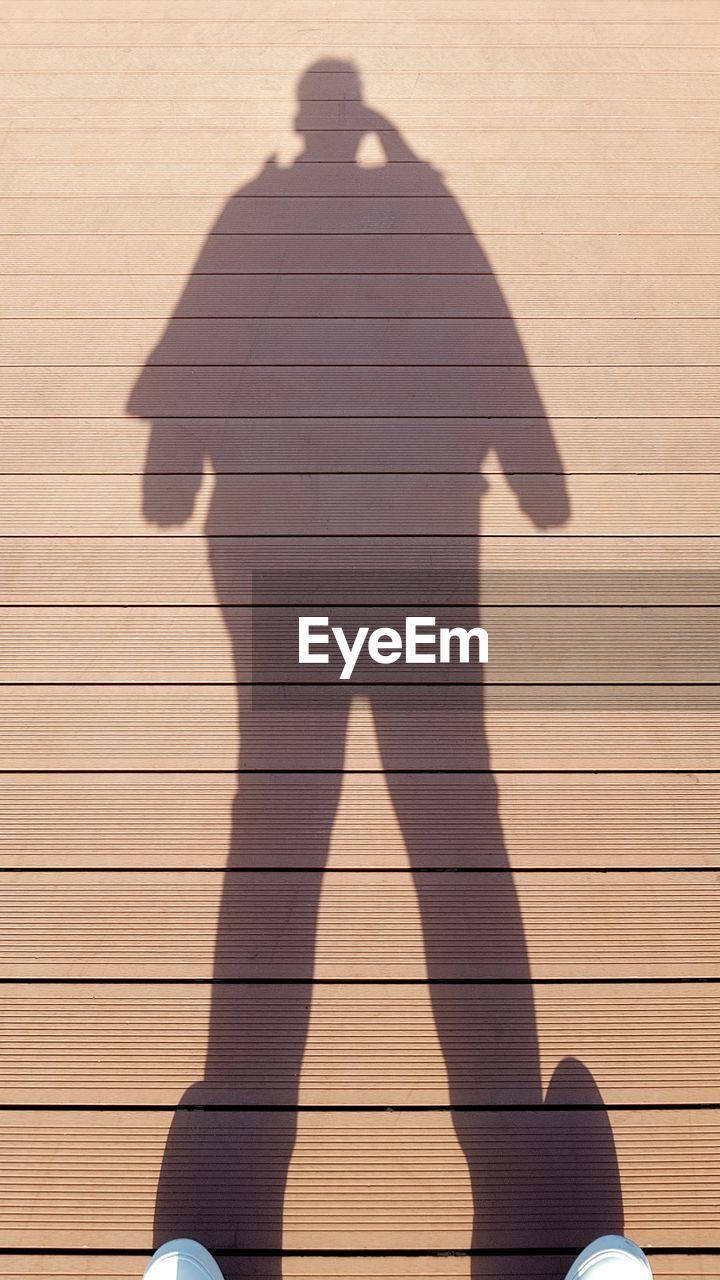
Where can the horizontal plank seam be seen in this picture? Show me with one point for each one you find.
(600, 869)
(658, 1252)
(493, 772)
(213, 606)
(352, 689)
(345, 365)
(325, 475)
(367, 417)
(359, 982)
(375, 1108)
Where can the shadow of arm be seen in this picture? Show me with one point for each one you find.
(176, 451)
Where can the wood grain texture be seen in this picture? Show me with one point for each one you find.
(380, 86)
(108, 445)
(155, 296)
(490, 215)
(413, 252)
(441, 146)
(375, 506)
(541, 569)
(522, 11)
(166, 820)
(384, 1198)
(379, 61)
(314, 390)
(171, 728)
(372, 1045)
(95, 924)
(135, 645)
(435, 31)
(202, 342)
(338, 179)
(237, 1267)
(243, 112)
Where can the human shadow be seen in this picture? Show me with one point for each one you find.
(339, 320)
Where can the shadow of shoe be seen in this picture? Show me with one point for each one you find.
(582, 1161)
(219, 1181)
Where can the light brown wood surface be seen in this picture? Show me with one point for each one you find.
(217, 343)
(342, 348)
(370, 1045)
(293, 59)
(99, 1173)
(600, 296)
(116, 445)
(152, 570)
(579, 922)
(219, 146)
(692, 11)
(659, 296)
(436, 31)
(196, 728)
(238, 1267)
(341, 179)
(498, 215)
(166, 820)
(378, 506)
(387, 86)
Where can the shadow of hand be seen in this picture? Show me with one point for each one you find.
(169, 500)
(544, 499)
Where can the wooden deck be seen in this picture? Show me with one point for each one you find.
(359, 993)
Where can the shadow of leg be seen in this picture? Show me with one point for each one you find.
(224, 1170)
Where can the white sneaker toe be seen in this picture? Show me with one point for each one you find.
(611, 1258)
(182, 1260)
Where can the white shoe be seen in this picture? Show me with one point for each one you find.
(182, 1260)
(610, 1258)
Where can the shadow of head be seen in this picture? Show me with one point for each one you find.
(330, 97)
(312, 87)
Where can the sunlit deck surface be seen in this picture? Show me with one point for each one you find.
(379, 990)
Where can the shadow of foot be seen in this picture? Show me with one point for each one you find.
(222, 1180)
(583, 1149)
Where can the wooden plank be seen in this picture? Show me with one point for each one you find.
(99, 1176)
(391, 60)
(377, 506)
(307, 253)
(200, 145)
(435, 342)
(278, 445)
(312, 389)
(308, 11)
(432, 89)
(542, 296)
(196, 729)
(483, 925)
(165, 820)
(372, 1045)
(435, 31)
(194, 215)
(26, 1266)
(535, 645)
(243, 112)
(293, 444)
(332, 179)
(514, 570)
